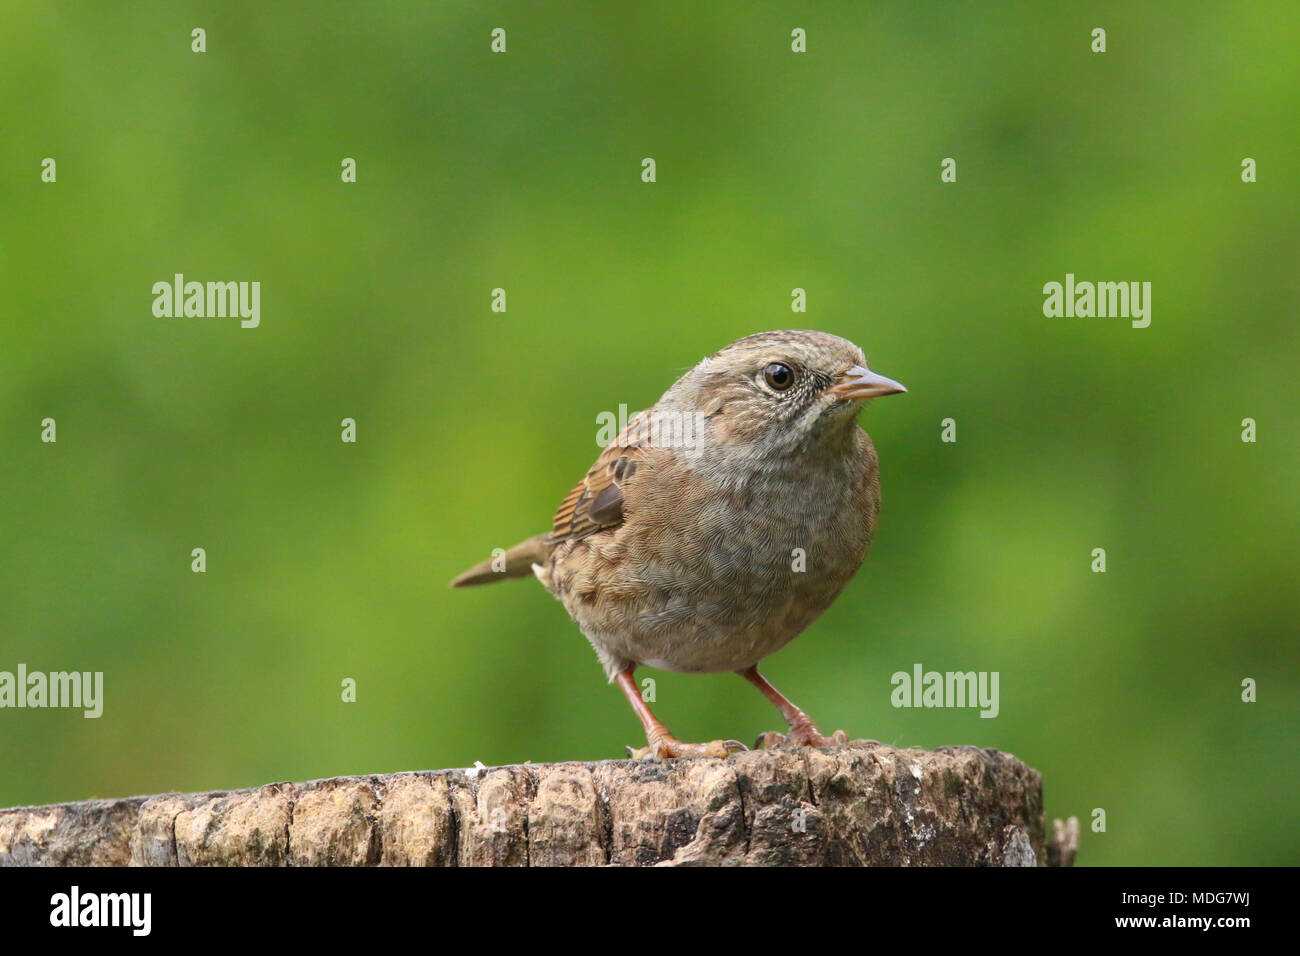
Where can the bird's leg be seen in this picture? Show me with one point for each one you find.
(803, 732)
(663, 744)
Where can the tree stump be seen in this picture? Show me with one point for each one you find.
(861, 805)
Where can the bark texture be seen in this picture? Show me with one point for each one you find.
(861, 805)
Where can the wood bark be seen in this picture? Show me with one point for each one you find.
(861, 805)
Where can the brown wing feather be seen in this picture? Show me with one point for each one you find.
(597, 501)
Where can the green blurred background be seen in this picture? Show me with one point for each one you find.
(328, 560)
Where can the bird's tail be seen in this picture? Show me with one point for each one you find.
(517, 562)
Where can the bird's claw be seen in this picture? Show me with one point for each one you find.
(664, 749)
(802, 737)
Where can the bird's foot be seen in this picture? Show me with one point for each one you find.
(661, 748)
(803, 736)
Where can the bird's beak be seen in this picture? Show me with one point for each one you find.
(860, 382)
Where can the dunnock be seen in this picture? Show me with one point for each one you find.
(720, 523)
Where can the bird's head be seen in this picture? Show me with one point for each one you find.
(780, 391)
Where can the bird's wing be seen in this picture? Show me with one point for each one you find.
(597, 501)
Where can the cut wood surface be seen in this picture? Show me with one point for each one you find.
(864, 804)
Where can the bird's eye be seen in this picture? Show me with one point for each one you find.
(778, 376)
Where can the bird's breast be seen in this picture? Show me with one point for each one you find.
(714, 572)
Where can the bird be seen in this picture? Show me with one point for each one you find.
(718, 524)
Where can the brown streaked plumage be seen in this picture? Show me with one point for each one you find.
(720, 523)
